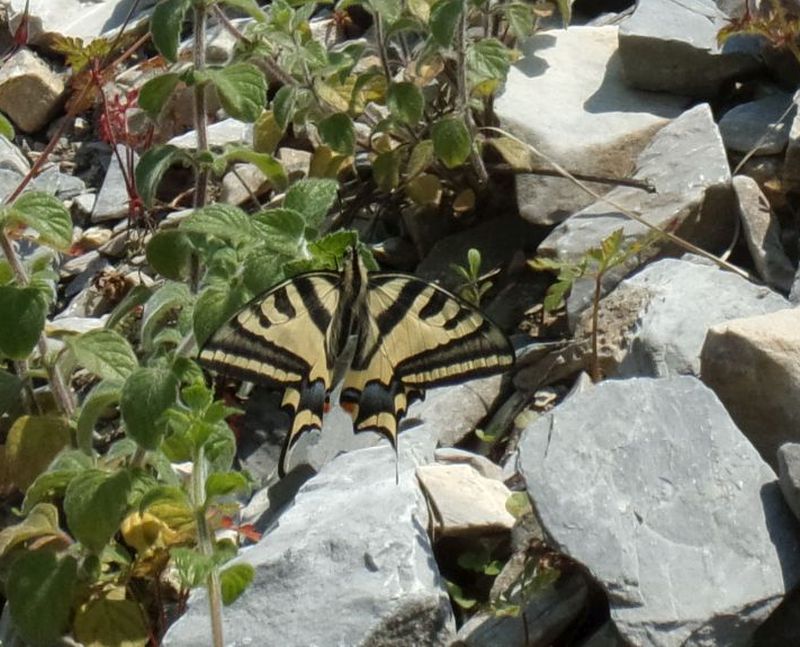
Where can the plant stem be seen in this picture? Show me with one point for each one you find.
(598, 287)
(462, 97)
(382, 51)
(200, 106)
(206, 545)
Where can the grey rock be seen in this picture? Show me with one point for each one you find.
(791, 165)
(547, 614)
(76, 18)
(78, 264)
(9, 180)
(112, 200)
(761, 125)
(590, 122)
(685, 300)
(650, 485)
(762, 234)
(782, 628)
(671, 45)
(30, 91)
(11, 158)
(606, 636)
(62, 185)
(789, 475)
(794, 294)
(242, 182)
(349, 563)
(753, 365)
(687, 165)
(83, 205)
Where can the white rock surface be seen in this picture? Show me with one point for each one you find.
(650, 485)
(753, 365)
(671, 45)
(687, 165)
(349, 563)
(567, 97)
(789, 475)
(84, 19)
(762, 234)
(686, 299)
(30, 91)
(464, 502)
(11, 158)
(222, 133)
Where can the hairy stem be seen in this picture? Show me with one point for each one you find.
(598, 287)
(200, 106)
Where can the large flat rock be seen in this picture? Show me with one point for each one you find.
(567, 96)
(350, 563)
(687, 165)
(650, 485)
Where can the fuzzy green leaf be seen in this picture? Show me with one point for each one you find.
(41, 521)
(6, 127)
(451, 141)
(338, 133)
(102, 396)
(114, 622)
(265, 163)
(47, 215)
(283, 105)
(386, 170)
(151, 168)
(169, 252)
(146, 395)
(242, 90)
(94, 504)
(22, 321)
(389, 10)
(312, 198)
(281, 230)
(156, 92)
(225, 484)
(10, 388)
(443, 21)
(250, 7)
(39, 588)
(104, 353)
(221, 220)
(488, 59)
(234, 580)
(169, 297)
(520, 19)
(215, 305)
(406, 102)
(165, 26)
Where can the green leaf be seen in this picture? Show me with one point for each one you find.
(265, 162)
(39, 590)
(283, 105)
(22, 321)
(215, 305)
(171, 494)
(6, 127)
(10, 389)
(225, 484)
(168, 297)
(451, 141)
(421, 158)
(165, 26)
(338, 133)
(488, 59)
(386, 170)
(250, 7)
(96, 403)
(444, 18)
(565, 9)
(234, 580)
(518, 504)
(267, 134)
(146, 395)
(520, 19)
(105, 353)
(137, 295)
(389, 10)
(242, 90)
(192, 567)
(156, 92)
(406, 102)
(221, 220)
(281, 230)
(95, 504)
(49, 486)
(110, 622)
(169, 252)
(328, 250)
(151, 168)
(458, 595)
(313, 198)
(47, 215)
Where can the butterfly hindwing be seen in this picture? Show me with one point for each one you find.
(417, 336)
(280, 340)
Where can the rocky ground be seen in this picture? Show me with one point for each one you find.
(664, 499)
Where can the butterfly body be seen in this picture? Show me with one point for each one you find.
(385, 337)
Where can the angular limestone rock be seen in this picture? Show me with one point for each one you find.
(30, 91)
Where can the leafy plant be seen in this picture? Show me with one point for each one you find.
(595, 263)
(475, 285)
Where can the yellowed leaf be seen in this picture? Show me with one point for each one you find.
(146, 531)
(32, 443)
(110, 622)
(267, 134)
(425, 190)
(336, 97)
(464, 202)
(517, 154)
(420, 9)
(325, 163)
(41, 521)
(420, 159)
